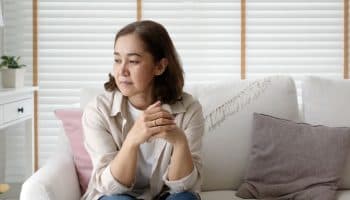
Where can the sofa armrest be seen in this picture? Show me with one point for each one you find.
(56, 180)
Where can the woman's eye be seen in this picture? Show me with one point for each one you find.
(117, 61)
(134, 62)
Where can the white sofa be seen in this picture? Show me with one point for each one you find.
(228, 107)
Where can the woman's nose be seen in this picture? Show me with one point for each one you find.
(124, 68)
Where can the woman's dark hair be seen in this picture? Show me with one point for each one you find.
(167, 86)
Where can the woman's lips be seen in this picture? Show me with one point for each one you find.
(125, 82)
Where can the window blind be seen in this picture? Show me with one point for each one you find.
(206, 34)
(294, 37)
(17, 42)
(75, 51)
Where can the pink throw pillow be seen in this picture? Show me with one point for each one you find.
(71, 121)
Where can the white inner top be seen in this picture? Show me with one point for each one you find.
(145, 159)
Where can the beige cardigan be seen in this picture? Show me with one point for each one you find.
(106, 123)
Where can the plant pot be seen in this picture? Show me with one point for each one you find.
(4, 188)
(13, 78)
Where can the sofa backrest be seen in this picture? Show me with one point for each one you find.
(228, 108)
(326, 102)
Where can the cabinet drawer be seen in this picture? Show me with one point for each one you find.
(17, 110)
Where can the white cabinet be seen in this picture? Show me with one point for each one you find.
(16, 106)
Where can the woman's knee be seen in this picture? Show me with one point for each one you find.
(117, 197)
(183, 196)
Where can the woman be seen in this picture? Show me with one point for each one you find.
(144, 134)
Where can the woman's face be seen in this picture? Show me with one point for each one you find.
(134, 68)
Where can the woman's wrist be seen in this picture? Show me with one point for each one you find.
(180, 141)
(130, 143)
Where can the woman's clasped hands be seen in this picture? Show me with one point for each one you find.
(155, 122)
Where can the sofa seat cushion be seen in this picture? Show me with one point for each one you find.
(220, 194)
(231, 195)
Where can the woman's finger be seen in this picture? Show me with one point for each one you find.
(161, 114)
(158, 129)
(157, 103)
(151, 123)
(164, 121)
(160, 122)
(153, 110)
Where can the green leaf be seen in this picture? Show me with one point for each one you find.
(11, 62)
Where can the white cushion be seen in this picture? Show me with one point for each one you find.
(231, 105)
(326, 102)
(231, 195)
(57, 179)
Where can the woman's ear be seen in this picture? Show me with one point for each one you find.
(161, 66)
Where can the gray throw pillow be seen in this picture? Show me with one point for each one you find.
(290, 160)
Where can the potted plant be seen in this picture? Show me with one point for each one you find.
(12, 72)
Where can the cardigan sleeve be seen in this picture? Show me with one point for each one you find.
(193, 127)
(102, 149)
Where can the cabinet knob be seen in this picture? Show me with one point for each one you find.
(20, 110)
